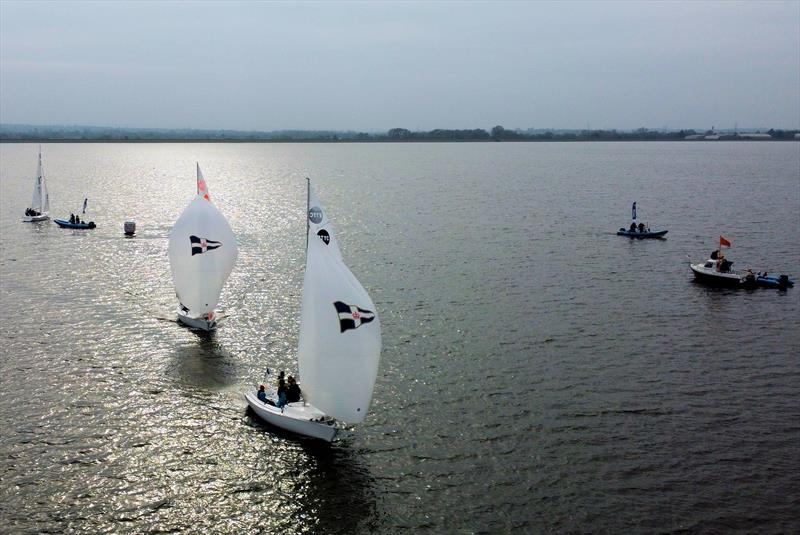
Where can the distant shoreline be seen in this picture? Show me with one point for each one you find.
(23, 133)
(393, 141)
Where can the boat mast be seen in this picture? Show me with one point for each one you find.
(197, 183)
(308, 207)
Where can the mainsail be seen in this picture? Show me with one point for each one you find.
(340, 333)
(202, 252)
(40, 190)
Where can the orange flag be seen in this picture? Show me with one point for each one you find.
(723, 242)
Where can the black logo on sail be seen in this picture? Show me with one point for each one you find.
(201, 245)
(324, 236)
(351, 316)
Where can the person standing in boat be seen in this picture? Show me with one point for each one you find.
(641, 227)
(633, 227)
(281, 375)
(281, 393)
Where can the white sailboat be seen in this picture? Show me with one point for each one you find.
(40, 205)
(340, 341)
(202, 252)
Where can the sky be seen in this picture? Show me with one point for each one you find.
(371, 66)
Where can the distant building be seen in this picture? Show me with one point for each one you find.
(694, 137)
(755, 136)
(711, 137)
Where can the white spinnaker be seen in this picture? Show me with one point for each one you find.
(199, 277)
(318, 222)
(337, 368)
(38, 188)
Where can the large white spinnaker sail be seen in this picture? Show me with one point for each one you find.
(340, 333)
(202, 252)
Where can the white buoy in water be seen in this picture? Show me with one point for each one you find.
(130, 228)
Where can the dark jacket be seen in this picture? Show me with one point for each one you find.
(293, 393)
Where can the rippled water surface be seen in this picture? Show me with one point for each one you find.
(538, 374)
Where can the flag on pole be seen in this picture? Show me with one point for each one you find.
(723, 242)
(84, 204)
(633, 211)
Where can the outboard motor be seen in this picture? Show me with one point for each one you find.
(783, 281)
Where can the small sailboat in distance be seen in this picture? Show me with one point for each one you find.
(340, 342)
(202, 252)
(40, 205)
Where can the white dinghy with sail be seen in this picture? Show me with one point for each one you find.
(202, 252)
(40, 205)
(340, 342)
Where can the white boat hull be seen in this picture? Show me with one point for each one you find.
(34, 218)
(295, 417)
(196, 323)
(707, 274)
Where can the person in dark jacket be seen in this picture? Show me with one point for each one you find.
(292, 391)
(262, 394)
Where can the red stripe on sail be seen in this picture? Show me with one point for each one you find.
(201, 188)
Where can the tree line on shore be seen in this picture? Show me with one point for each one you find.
(30, 133)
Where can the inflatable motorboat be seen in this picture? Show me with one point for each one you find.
(80, 226)
(647, 233)
(768, 281)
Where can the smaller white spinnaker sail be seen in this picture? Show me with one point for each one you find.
(340, 333)
(202, 252)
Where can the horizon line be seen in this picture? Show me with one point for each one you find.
(662, 128)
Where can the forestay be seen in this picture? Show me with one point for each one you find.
(340, 333)
(202, 252)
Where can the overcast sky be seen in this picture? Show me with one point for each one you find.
(377, 65)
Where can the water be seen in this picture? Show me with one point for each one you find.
(539, 373)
